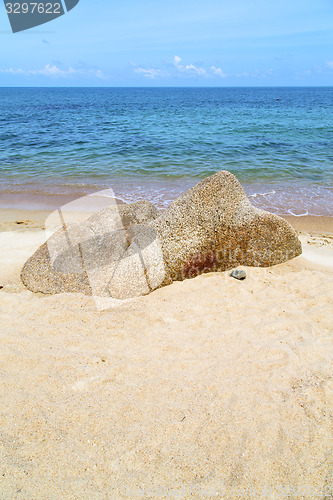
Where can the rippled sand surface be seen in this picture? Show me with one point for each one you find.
(210, 387)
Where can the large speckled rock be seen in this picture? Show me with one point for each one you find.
(139, 212)
(85, 256)
(133, 250)
(213, 226)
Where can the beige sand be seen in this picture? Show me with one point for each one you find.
(208, 388)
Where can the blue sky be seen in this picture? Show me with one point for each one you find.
(176, 43)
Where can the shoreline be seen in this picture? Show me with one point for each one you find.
(278, 197)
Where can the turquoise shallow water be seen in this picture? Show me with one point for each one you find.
(155, 143)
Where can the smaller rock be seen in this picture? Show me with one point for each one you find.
(238, 274)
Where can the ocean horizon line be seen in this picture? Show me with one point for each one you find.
(167, 87)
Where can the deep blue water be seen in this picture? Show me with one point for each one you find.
(156, 142)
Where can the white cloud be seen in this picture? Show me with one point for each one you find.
(54, 71)
(151, 73)
(218, 72)
(190, 70)
(176, 61)
(49, 70)
(330, 64)
(189, 67)
(199, 71)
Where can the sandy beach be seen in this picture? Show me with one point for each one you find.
(207, 388)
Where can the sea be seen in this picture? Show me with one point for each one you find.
(58, 144)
